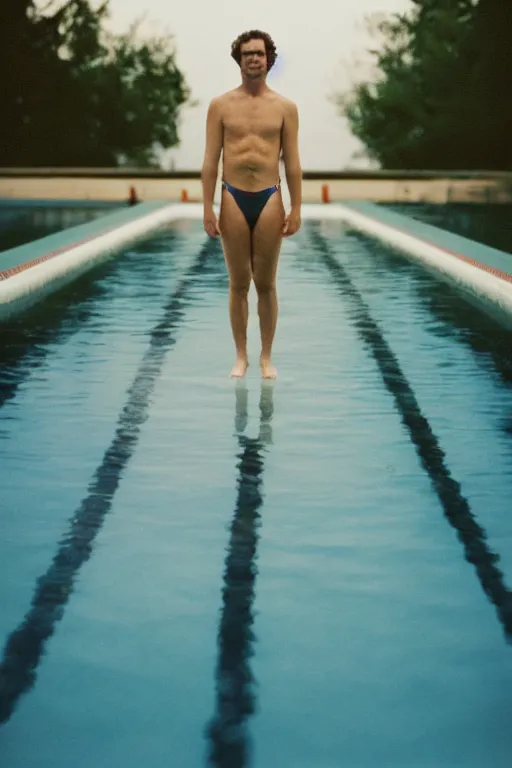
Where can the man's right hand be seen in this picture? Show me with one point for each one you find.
(210, 224)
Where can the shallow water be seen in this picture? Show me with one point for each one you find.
(310, 572)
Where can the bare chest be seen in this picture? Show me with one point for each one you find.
(255, 119)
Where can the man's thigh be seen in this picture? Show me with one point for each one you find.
(266, 242)
(236, 241)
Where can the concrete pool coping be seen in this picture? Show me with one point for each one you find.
(32, 271)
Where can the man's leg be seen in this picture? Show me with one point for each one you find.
(266, 244)
(236, 244)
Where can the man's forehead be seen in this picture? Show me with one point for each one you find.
(253, 44)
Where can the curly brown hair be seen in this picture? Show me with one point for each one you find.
(254, 34)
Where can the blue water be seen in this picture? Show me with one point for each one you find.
(488, 224)
(22, 222)
(314, 572)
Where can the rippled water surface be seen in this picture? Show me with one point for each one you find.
(314, 572)
(22, 223)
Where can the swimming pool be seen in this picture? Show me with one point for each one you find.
(490, 224)
(314, 572)
(24, 221)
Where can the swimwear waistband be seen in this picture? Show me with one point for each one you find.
(226, 185)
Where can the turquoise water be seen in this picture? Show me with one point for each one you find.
(22, 223)
(487, 224)
(314, 572)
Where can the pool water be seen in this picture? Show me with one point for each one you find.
(22, 222)
(311, 572)
(488, 224)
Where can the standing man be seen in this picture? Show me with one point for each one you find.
(252, 125)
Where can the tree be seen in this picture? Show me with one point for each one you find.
(78, 96)
(486, 96)
(436, 88)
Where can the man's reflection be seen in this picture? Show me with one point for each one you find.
(228, 737)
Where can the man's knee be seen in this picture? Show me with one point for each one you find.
(264, 285)
(240, 287)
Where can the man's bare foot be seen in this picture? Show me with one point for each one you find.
(267, 369)
(240, 367)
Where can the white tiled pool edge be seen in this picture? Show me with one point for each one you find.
(488, 289)
(29, 283)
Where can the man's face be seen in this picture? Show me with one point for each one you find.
(253, 61)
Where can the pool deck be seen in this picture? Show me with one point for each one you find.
(114, 184)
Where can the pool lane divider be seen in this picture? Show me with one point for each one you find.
(25, 646)
(432, 458)
(481, 273)
(32, 271)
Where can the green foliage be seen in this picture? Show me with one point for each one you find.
(439, 99)
(74, 95)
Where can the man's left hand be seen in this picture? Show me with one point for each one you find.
(292, 223)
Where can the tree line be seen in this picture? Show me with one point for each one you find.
(441, 98)
(71, 94)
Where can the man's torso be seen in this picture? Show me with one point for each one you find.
(252, 129)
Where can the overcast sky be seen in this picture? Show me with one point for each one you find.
(317, 41)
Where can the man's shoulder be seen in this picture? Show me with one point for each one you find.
(223, 98)
(287, 104)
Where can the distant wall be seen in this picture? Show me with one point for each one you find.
(378, 186)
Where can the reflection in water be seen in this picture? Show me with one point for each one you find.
(455, 506)
(27, 340)
(454, 316)
(457, 315)
(20, 224)
(25, 646)
(488, 224)
(229, 745)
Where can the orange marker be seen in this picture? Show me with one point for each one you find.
(133, 199)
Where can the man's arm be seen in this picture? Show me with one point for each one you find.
(214, 140)
(290, 147)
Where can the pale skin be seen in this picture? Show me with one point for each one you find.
(250, 126)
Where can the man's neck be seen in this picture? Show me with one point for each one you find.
(253, 87)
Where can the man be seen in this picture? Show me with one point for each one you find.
(252, 126)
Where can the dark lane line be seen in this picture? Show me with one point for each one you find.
(455, 315)
(489, 342)
(25, 646)
(456, 508)
(227, 733)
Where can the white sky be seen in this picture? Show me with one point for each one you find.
(318, 42)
